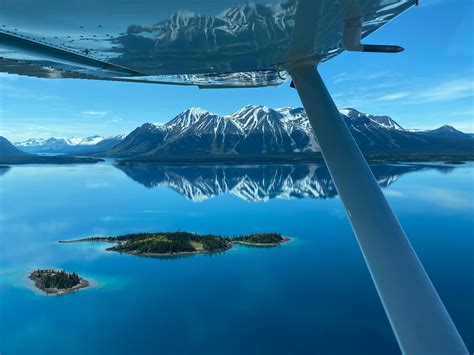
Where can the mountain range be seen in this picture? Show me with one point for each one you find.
(88, 145)
(255, 131)
(9, 154)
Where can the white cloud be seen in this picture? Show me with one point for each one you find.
(394, 193)
(410, 91)
(114, 120)
(446, 198)
(393, 96)
(91, 114)
(362, 76)
(450, 90)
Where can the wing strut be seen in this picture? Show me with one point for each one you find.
(352, 35)
(416, 313)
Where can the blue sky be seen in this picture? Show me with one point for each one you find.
(430, 84)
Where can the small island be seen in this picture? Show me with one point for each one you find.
(57, 282)
(176, 243)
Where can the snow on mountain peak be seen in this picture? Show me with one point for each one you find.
(291, 113)
(386, 122)
(187, 118)
(345, 111)
(68, 145)
(351, 112)
(251, 109)
(360, 118)
(71, 141)
(149, 126)
(84, 141)
(250, 117)
(32, 142)
(197, 111)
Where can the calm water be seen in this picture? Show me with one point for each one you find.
(312, 295)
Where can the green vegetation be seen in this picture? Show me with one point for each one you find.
(169, 243)
(46, 279)
(262, 238)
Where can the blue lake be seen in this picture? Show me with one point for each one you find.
(311, 295)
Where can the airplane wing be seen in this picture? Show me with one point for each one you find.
(226, 43)
(220, 43)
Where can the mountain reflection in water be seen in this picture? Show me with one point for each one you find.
(257, 183)
(4, 169)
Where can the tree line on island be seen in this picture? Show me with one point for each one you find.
(167, 243)
(58, 279)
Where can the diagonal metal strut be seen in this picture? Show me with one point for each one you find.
(416, 313)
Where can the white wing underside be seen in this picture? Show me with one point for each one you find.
(205, 43)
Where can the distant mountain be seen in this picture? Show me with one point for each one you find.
(9, 150)
(256, 183)
(261, 131)
(447, 131)
(9, 154)
(88, 145)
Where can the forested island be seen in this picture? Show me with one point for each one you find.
(175, 243)
(57, 281)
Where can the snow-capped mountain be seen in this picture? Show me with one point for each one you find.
(9, 154)
(253, 131)
(357, 119)
(255, 183)
(72, 145)
(52, 142)
(256, 130)
(39, 143)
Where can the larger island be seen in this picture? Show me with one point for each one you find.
(176, 243)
